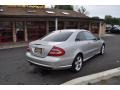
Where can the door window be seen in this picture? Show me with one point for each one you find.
(89, 36)
(85, 35)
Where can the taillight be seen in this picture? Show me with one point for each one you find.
(56, 51)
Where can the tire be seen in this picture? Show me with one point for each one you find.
(102, 50)
(77, 63)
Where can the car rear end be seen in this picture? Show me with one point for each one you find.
(49, 53)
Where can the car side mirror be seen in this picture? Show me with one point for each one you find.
(97, 37)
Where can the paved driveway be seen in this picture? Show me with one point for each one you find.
(15, 70)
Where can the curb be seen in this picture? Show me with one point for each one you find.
(9, 47)
(107, 35)
(93, 78)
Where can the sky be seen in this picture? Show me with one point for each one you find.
(102, 10)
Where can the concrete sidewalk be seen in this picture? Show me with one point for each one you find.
(13, 45)
(106, 77)
(112, 81)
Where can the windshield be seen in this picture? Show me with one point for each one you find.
(57, 36)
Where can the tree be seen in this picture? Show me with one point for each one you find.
(65, 7)
(96, 17)
(108, 19)
(112, 20)
(82, 10)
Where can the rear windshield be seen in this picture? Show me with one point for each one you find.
(57, 36)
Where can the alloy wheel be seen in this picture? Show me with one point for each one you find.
(77, 64)
(103, 49)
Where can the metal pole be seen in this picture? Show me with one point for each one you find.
(100, 28)
(56, 23)
(47, 27)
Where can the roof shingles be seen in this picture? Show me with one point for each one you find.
(39, 12)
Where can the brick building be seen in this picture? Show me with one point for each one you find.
(26, 24)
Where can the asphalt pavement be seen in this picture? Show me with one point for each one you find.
(15, 70)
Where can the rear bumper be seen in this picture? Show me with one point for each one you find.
(49, 62)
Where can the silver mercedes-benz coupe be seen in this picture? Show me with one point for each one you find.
(67, 48)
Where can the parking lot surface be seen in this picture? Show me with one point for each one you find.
(14, 69)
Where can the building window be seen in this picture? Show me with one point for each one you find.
(60, 25)
(6, 33)
(71, 25)
(19, 31)
(84, 25)
(50, 12)
(36, 29)
(66, 13)
(51, 26)
(95, 28)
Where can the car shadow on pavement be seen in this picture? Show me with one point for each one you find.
(91, 59)
(45, 72)
(58, 75)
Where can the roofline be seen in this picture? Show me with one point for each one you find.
(46, 16)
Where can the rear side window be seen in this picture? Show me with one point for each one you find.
(80, 36)
(57, 36)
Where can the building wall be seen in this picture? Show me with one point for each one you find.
(15, 31)
(6, 33)
(102, 29)
(36, 29)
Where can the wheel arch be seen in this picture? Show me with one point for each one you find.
(103, 44)
(80, 53)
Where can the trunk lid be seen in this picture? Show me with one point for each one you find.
(42, 48)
